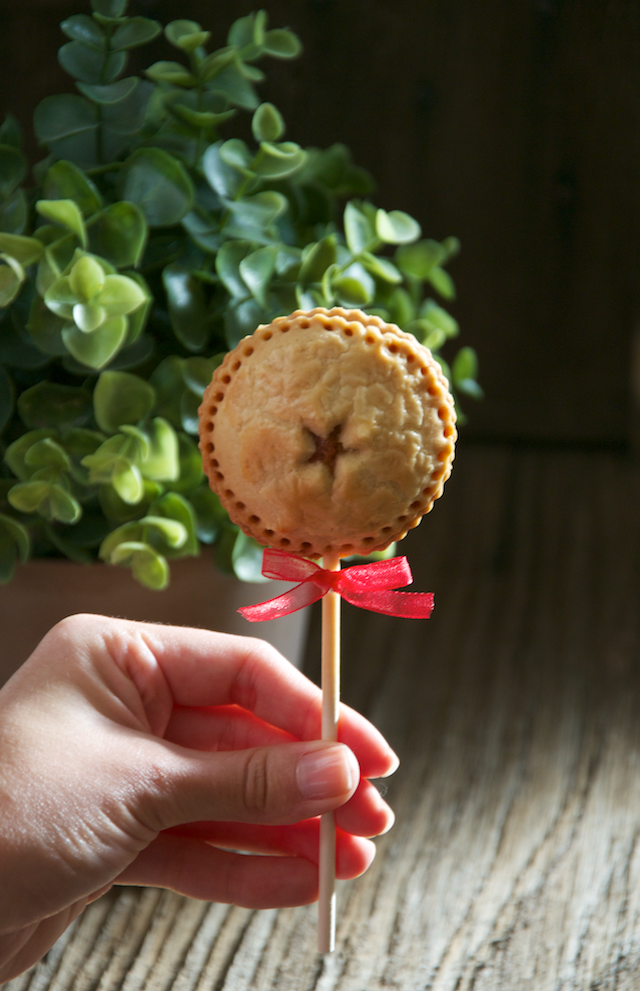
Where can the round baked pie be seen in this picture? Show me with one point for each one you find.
(328, 431)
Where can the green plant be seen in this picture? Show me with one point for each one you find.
(145, 247)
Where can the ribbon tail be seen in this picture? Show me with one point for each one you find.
(296, 598)
(408, 605)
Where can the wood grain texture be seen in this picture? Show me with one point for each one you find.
(513, 124)
(514, 862)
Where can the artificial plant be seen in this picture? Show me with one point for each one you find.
(141, 249)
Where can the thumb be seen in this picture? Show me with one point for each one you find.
(274, 785)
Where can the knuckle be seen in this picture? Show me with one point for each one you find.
(255, 783)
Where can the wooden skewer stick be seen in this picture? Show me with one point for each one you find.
(330, 706)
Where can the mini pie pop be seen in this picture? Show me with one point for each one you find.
(329, 433)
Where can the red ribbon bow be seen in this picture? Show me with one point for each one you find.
(366, 585)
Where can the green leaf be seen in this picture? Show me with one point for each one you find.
(358, 231)
(120, 295)
(13, 213)
(259, 28)
(189, 406)
(168, 382)
(18, 534)
(187, 35)
(127, 117)
(97, 349)
(88, 316)
(12, 275)
(11, 132)
(191, 473)
(60, 298)
(25, 250)
(200, 119)
(256, 270)
(241, 31)
(238, 90)
(171, 531)
(113, 93)
(281, 43)
(246, 559)
(235, 153)
(138, 318)
(267, 123)
(187, 307)
(275, 161)
(120, 397)
(355, 287)
(46, 498)
(83, 28)
(260, 210)
(240, 319)
(198, 372)
(109, 8)
(178, 510)
(216, 62)
(65, 213)
(225, 179)
(6, 397)
(442, 283)
(381, 268)
(79, 442)
(90, 66)
(228, 266)
(177, 29)
(464, 372)
(127, 481)
(316, 259)
(63, 116)
(148, 567)
(49, 404)
(438, 317)
(401, 308)
(162, 462)
(210, 514)
(119, 234)
(15, 454)
(135, 31)
(13, 168)
(45, 329)
(159, 185)
(86, 278)
(170, 72)
(47, 454)
(419, 259)
(396, 227)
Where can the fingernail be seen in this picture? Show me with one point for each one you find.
(391, 818)
(395, 764)
(327, 773)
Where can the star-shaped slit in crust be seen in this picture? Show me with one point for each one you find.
(328, 449)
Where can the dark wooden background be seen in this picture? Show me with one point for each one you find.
(514, 124)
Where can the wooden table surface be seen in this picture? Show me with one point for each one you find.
(514, 862)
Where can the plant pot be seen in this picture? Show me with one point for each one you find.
(45, 591)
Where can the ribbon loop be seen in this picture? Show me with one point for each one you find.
(370, 586)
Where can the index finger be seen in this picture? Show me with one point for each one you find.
(203, 668)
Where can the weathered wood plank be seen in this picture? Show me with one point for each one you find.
(515, 860)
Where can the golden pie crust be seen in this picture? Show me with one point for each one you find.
(328, 432)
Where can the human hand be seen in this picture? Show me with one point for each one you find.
(128, 749)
